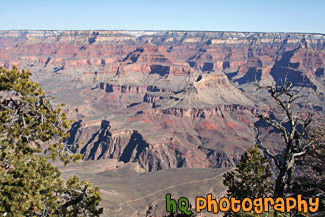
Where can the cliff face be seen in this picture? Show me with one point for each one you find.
(100, 52)
(165, 99)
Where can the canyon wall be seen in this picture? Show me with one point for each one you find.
(166, 99)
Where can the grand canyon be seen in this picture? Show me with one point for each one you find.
(159, 108)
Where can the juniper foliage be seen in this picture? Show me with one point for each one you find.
(30, 125)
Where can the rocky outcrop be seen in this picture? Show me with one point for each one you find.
(151, 59)
(101, 142)
(165, 99)
(121, 89)
(187, 137)
(100, 52)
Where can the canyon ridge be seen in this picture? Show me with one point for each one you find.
(153, 101)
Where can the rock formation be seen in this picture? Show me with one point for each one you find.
(166, 99)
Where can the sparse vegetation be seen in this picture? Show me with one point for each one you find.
(293, 127)
(29, 127)
(251, 179)
(302, 150)
(309, 179)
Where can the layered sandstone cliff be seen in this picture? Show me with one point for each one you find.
(166, 99)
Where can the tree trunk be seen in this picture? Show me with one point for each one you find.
(289, 179)
(280, 183)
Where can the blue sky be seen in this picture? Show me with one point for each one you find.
(206, 15)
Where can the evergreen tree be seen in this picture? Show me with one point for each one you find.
(251, 179)
(309, 180)
(310, 169)
(251, 176)
(29, 127)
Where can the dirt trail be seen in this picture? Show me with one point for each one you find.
(167, 188)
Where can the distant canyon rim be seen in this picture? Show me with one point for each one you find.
(167, 99)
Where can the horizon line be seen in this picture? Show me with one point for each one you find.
(134, 30)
